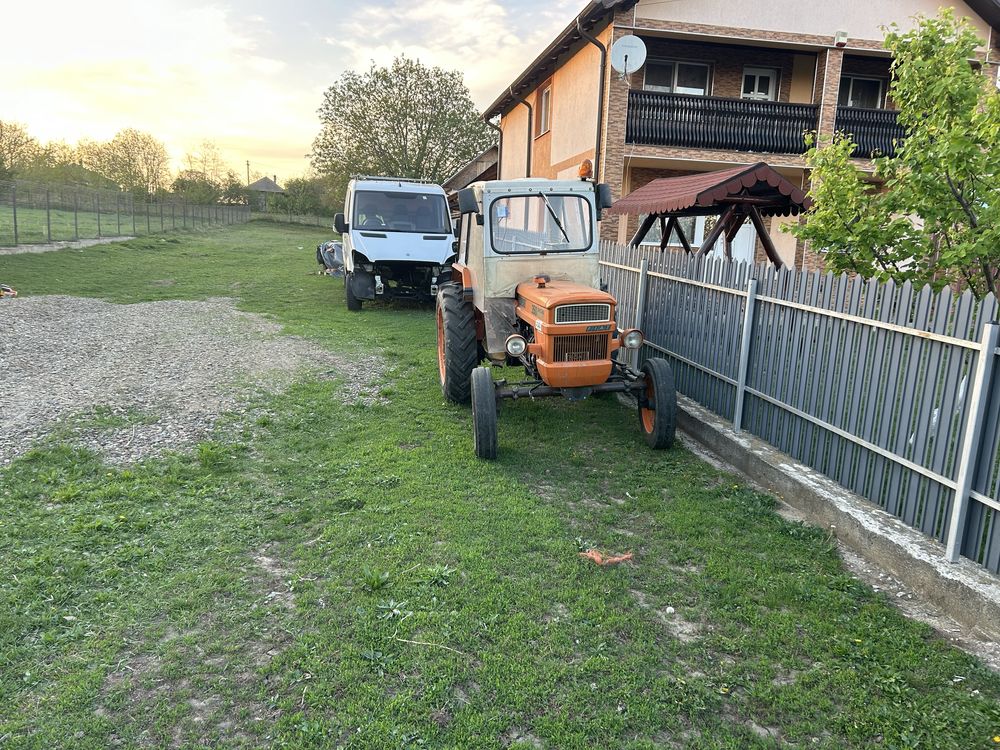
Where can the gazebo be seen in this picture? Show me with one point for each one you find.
(733, 195)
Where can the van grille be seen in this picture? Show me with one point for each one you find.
(586, 313)
(580, 348)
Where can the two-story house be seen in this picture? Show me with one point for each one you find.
(723, 84)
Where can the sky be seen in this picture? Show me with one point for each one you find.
(248, 75)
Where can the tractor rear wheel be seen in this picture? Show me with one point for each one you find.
(484, 413)
(353, 303)
(658, 404)
(458, 349)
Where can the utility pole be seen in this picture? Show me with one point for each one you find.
(248, 173)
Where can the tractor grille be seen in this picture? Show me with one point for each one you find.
(586, 313)
(580, 348)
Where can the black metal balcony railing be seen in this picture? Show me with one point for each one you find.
(875, 131)
(708, 122)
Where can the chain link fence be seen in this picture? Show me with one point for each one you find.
(39, 213)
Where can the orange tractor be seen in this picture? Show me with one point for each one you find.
(526, 291)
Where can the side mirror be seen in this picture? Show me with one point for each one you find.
(467, 203)
(456, 229)
(604, 197)
(339, 224)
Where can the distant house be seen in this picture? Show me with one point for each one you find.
(483, 167)
(261, 189)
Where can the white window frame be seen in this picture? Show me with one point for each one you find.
(772, 73)
(709, 78)
(544, 111)
(850, 89)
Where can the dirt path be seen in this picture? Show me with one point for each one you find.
(134, 380)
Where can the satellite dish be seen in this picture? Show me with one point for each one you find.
(628, 54)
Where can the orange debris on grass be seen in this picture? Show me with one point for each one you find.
(595, 556)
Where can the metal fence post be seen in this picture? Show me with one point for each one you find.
(76, 214)
(741, 381)
(13, 203)
(48, 215)
(640, 303)
(131, 202)
(148, 230)
(118, 213)
(97, 204)
(971, 439)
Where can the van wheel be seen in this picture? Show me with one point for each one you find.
(353, 303)
(458, 349)
(658, 404)
(484, 413)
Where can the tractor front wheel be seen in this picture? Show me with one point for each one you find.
(458, 349)
(484, 413)
(658, 404)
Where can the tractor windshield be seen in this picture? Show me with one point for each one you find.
(389, 211)
(541, 223)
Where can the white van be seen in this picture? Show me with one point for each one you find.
(398, 240)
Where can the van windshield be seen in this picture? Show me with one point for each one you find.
(541, 223)
(388, 211)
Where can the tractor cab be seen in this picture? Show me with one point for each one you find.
(526, 290)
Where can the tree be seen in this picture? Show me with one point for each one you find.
(932, 213)
(17, 149)
(133, 160)
(194, 187)
(406, 120)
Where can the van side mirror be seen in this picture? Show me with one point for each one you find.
(339, 224)
(455, 229)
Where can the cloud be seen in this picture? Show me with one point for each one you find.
(183, 74)
(247, 75)
(490, 41)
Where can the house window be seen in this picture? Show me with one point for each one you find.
(760, 84)
(677, 77)
(865, 93)
(543, 121)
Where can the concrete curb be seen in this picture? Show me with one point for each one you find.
(964, 591)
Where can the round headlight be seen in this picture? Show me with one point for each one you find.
(516, 345)
(632, 340)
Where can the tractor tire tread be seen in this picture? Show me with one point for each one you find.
(462, 350)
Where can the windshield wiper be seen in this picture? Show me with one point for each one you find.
(554, 217)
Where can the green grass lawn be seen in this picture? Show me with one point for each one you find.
(347, 576)
(34, 226)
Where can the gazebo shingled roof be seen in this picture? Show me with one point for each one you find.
(690, 193)
(735, 194)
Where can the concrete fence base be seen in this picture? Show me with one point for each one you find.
(966, 592)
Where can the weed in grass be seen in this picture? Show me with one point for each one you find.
(439, 575)
(373, 579)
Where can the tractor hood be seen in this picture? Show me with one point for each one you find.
(561, 293)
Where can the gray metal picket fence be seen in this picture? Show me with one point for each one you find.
(892, 391)
(40, 213)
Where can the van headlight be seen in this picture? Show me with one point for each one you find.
(632, 339)
(516, 345)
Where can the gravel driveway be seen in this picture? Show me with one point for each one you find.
(134, 380)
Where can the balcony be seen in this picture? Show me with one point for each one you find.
(709, 122)
(875, 131)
